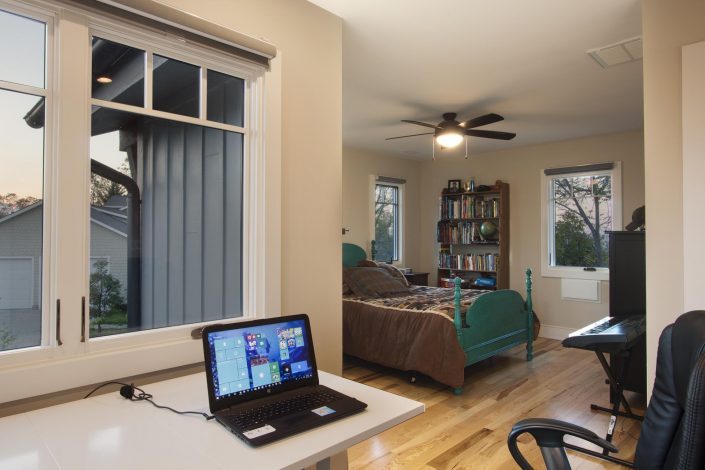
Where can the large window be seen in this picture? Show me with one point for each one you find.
(137, 218)
(387, 221)
(581, 204)
(166, 192)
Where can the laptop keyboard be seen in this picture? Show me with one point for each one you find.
(251, 417)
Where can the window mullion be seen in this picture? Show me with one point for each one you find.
(166, 115)
(70, 224)
(203, 94)
(27, 89)
(148, 80)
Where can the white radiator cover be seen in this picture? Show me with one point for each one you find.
(586, 290)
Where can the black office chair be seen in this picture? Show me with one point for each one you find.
(673, 432)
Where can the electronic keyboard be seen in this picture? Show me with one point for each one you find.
(610, 334)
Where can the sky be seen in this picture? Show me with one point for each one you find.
(21, 147)
(22, 47)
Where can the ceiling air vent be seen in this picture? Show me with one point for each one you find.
(619, 53)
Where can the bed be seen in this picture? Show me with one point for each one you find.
(432, 330)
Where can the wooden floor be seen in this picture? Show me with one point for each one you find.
(470, 431)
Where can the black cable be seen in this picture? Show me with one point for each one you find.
(128, 391)
(105, 385)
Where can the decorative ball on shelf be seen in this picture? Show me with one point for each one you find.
(487, 229)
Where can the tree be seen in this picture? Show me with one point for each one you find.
(102, 189)
(10, 203)
(6, 339)
(584, 201)
(105, 293)
(574, 247)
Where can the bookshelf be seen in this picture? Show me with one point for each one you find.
(467, 249)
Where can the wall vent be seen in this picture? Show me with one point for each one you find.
(621, 52)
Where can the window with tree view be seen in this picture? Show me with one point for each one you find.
(581, 212)
(387, 221)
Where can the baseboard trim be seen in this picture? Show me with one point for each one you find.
(555, 332)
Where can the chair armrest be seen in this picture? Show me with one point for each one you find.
(550, 433)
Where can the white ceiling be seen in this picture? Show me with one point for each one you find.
(525, 60)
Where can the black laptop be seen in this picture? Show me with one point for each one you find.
(263, 382)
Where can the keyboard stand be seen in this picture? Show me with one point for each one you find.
(618, 391)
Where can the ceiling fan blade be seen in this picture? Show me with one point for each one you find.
(419, 123)
(412, 135)
(482, 121)
(491, 134)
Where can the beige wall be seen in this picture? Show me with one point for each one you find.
(309, 44)
(521, 168)
(667, 26)
(358, 165)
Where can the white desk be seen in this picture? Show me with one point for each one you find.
(110, 432)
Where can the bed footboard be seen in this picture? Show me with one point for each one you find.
(495, 322)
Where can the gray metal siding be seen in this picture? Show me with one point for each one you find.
(192, 218)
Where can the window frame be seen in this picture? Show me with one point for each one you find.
(548, 224)
(399, 229)
(103, 358)
(48, 323)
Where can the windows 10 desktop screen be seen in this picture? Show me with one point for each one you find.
(253, 358)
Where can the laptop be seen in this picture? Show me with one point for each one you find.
(263, 381)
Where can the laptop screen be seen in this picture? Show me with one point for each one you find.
(249, 358)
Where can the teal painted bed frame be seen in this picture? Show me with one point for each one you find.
(494, 323)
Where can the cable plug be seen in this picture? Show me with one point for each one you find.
(128, 391)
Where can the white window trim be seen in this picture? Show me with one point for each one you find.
(547, 270)
(105, 358)
(401, 188)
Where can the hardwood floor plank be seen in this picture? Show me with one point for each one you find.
(470, 431)
(442, 461)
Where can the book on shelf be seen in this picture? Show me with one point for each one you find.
(461, 233)
(488, 262)
(468, 207)
(450, 282)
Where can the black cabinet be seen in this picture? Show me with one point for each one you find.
(627, 265)
(627, 273)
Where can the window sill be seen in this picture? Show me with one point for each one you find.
(601, 274)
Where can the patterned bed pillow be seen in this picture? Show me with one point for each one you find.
(394, 272)
(372, 282)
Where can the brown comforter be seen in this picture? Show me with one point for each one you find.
(411, 332)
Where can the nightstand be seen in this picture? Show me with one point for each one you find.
(418, 279)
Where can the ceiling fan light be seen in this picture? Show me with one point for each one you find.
(449, 139)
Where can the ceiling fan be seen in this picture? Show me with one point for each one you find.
(449, 132)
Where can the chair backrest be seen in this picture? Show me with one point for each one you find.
(673, 432)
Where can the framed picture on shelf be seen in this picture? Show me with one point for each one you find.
(454, 186)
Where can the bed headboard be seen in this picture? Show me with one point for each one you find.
(352, 254)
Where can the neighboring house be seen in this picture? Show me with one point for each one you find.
(20, 258)
(21, 250)
(109, 237)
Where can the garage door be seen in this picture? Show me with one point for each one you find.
(16, 283)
